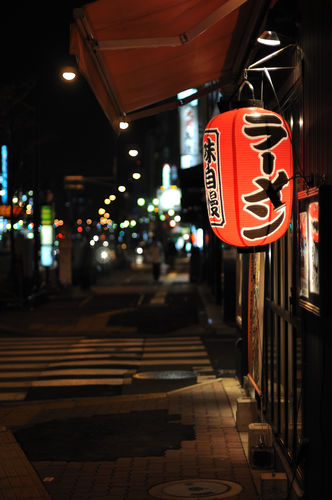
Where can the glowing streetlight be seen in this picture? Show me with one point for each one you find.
(141, 202)
(133, 153)
(123, 125)
(122, 189)
(69, 73)
(136, 175)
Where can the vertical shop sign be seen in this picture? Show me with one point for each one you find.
(46, 236)
(4, 175)
(189, 132)
(255, 317)
(309, 250)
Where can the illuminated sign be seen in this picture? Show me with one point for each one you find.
(169, 198)
(248, 175)
(4, 175)
(189, 132)
(46, 235)
(5, 210)
(46, 215)
(46, 255)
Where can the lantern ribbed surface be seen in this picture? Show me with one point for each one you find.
(248, 172)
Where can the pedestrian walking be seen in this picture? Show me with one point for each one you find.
(83, 263)
(171, 253)
(157, 257)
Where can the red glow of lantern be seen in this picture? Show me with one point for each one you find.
(248, 176)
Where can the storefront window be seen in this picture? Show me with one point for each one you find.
(282, 363)
(282, 370)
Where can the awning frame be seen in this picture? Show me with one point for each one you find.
(175, 41)
(89, 43)
(94, 49)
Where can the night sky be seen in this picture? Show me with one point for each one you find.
(74, 134)
(58, 125)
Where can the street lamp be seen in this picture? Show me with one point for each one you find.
(123, 125)
(133, 152)
(269, 38)
(69, 73)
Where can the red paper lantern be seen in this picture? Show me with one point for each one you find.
(248, 174)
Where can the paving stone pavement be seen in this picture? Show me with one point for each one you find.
(217, 451)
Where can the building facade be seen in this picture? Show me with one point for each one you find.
(281, 293)
(283, 310)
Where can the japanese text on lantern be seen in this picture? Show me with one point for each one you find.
(212, 179)
(271, 131)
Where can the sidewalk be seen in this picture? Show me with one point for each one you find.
(216, 452)
(197, 451)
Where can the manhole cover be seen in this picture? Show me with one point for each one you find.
(165, 375)
(196, 488)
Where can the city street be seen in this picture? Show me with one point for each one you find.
(120, 390)
(91, 343)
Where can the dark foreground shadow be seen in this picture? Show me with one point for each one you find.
(104, 437)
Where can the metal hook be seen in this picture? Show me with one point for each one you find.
(243, 84)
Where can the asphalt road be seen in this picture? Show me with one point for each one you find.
(75, 343)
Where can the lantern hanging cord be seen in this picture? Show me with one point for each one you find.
(236, 91)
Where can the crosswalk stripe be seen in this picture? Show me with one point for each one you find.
(18, 374)
(56, 372)
(77, 382)
(66, 357)
(75, 340)
(175, 362)
(32, 362)
(17, 366)
(174, 348)
(55, 351)
(20, 384)
(176, 354)
(36, 363)
(94, 363)
(174, 340)
(13, 396)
